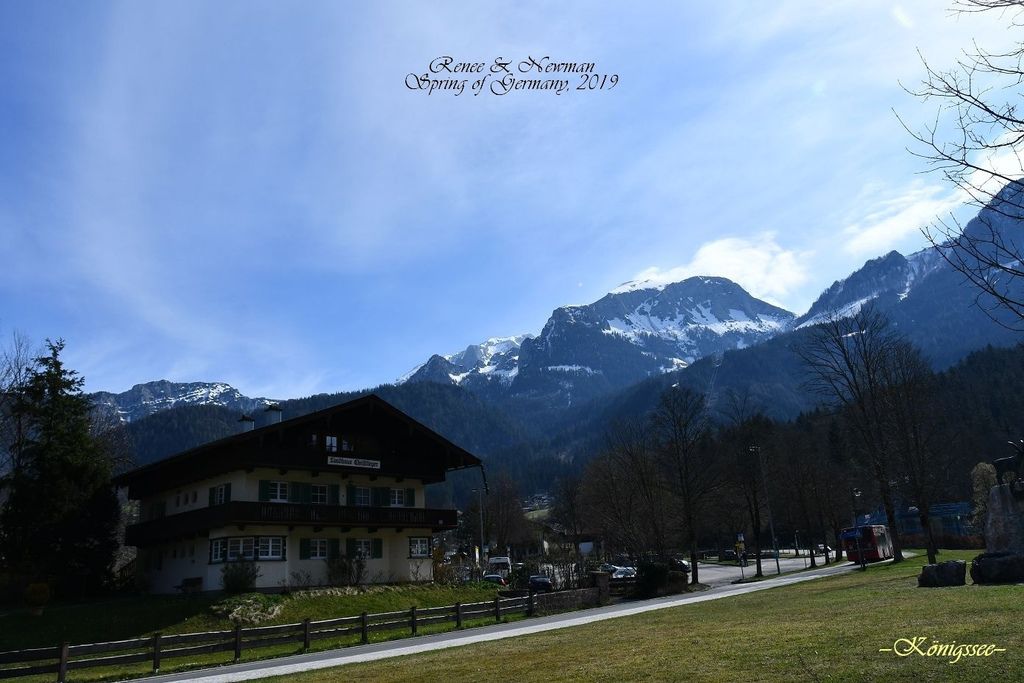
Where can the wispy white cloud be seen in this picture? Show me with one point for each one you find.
(888, 217)
(758, 263)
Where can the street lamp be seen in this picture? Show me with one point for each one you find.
(756, 450)
(854, 495)
(481, 558)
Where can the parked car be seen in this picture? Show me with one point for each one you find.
(541, 584)
(608, 567)
(624, 573)
(728, 555)
(678, 564)
(496, 579)
(821, 549)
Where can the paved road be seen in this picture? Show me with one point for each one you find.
(365, 653)
(724, 574)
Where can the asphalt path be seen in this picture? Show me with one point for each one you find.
(284, 666)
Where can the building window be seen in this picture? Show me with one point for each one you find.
(195, 496)
(419, 547)
(271, 548)
(318, 548)
(240, 548)
(177, 501)
(278, 491)
(397, 497)
(318, 494)
(312, 441)
(364, 548)
(361, 496)
(331, 444)
(220, 495)
(218, 550)
(346, 445)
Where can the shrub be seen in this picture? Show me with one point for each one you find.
(651, 578)
(37, 594)
(239, 577)
(677, 582)
(341, 571)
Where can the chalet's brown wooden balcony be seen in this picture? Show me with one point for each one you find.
(199, 522)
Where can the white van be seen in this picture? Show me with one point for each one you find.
(499, 565)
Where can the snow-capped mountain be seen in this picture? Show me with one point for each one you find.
(638, 330)
(145, 399)
(885, 280)
(495, 360)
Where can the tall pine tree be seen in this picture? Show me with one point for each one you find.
(59, 521)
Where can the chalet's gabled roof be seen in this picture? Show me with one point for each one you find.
(250, 449)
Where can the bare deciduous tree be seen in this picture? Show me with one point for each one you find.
(976, 143)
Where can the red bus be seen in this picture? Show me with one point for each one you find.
(873, 541)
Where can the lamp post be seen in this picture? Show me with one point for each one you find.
(481, 508)
(854, 495)
(756, 450)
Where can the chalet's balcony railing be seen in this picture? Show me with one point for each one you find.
(248, 512)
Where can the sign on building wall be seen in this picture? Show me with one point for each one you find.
(353, 462)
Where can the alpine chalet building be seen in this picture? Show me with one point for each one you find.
(344, 481)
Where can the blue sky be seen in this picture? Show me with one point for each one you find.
(247, 192)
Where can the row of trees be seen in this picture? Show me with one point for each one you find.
(678, 480)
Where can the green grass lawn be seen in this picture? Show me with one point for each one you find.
(136, 616)
(827, 629)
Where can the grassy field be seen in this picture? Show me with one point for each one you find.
(136, 616)
(823, 630)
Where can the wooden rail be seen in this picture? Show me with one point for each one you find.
(159, 647)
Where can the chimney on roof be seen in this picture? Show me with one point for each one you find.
(248, 424)
(273, 413)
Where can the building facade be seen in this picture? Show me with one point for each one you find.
(299, 498)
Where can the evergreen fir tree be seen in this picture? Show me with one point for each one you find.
(59, 520)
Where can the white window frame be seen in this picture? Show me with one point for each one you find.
(278, 492)
(358, 494)
(419, 546)
(241, 548)
(318, 494)
(266, 548)
(218, 550)
(331, 443)
(219, 494)
(318, 548)
(364, 548)
(397, 498)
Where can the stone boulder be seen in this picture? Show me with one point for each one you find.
(951, 573)
(997, 568)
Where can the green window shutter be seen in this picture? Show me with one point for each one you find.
(379, 496)
(212, 489)
(284, 547)
(333, 548)
(300, 493)
(350, 548)
(377, 551)
(350, 495)
(227, 492)
(333, 494)
(410, 498)
(264, 490)
(303, 548)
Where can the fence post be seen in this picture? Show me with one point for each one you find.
(412, 619)
(529, 604)
(238, 642)
(62, 667)
(156, 653)
(364, 628)
(458, 615)
(497, 608)
(305, 634)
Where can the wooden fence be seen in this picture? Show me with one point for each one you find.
(159, 647)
